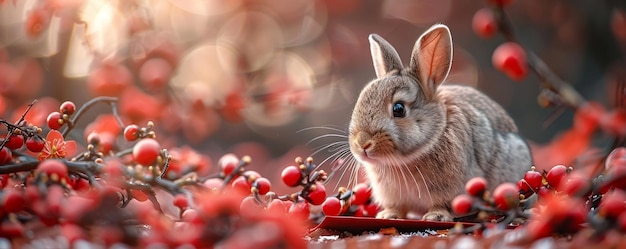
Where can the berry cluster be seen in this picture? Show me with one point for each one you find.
(558, 201)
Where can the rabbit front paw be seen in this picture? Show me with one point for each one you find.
(390, 214)
(437, 215)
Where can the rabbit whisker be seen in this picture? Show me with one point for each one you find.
(322, 128)
(324, 147)
(327, 135)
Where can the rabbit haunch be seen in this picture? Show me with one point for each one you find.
(418, 157)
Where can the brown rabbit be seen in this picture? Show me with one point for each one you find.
(420, 141)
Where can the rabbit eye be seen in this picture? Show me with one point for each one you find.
(398, 110)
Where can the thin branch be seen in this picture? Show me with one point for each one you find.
(112, 101)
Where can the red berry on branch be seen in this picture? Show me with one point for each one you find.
(146, 151)
(277, 206)
(555, 176)
(241, 185)
(13, 201)
(15, 142)
(476, 186)
(55, 120)
(300, 209)
(484, 23)
(462, 204)
(130, 132)
(331, 206)
(249, 206)
(524, 188)
(510, 58)
(110, 79)
(361, 194)
(612, 204)
(317, 194)
(53, 169)
(263, 185)
(506, 196)
(534, 179)
(575, 184)
(291, 176)
(5, 155)
(227, 163)
(67, 107)
(35, 144)
(155, 73)
(213, 184)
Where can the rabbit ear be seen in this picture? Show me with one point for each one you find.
(432, 57)
(384, 56)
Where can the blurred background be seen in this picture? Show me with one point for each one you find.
(262, 77)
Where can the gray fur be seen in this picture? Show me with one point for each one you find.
(450, 134)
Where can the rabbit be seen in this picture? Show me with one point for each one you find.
(419, 141)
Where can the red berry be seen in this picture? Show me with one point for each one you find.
(252, 175)
(292, 176)
(146, 151)
(612, 204)
(213, 184)
(155, 73)
(35, 144)
(5, 156)
(506, 196)
(555, 176)
(55, 120)
(263, 185)
(130, 132)
(510, 58)
(544, 192)
(371, 209)
(317, 194)
(15, 142)
(361, 194)
(241, 185)
(300, 209)
(109, 80)
(278, 206)
(534, 179)
(476, 186)
(575, 184)
(524, 188)
(249, 206)
(67, 107)
(484, 23)
(331, 206)
(227, 163)
(621, 221)
(13, 201)
(462, 204)
(180, 200)
(53, 169)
